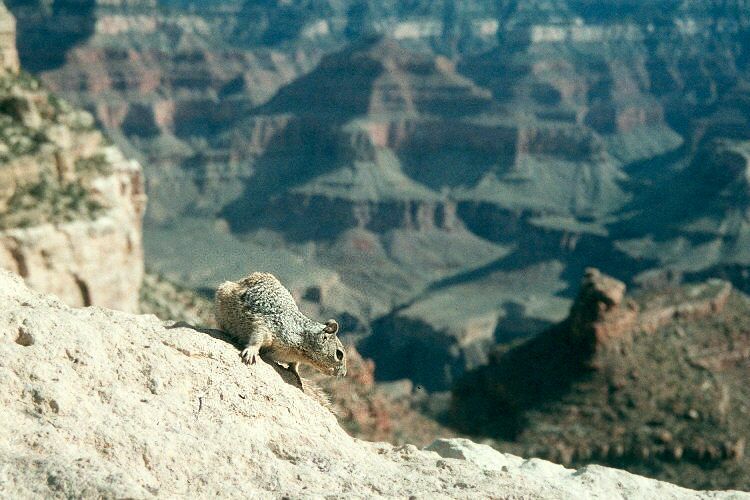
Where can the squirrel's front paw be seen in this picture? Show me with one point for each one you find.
(250, 355)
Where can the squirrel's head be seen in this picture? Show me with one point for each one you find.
(325, 349)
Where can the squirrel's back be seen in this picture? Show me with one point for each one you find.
(259, 311)
(233, 316)
(257, 304)
(264, 294)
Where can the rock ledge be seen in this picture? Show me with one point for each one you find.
(104, 403)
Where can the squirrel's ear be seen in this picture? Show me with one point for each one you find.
(331, 326)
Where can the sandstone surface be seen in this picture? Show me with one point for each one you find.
(104, 403)
(8, 53)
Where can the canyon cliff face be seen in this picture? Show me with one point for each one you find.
(71, 203)
(438, 175)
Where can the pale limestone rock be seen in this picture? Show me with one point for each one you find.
(8, 53)
(83, 261)
(480, 455)
(99, 403)
(97, 262)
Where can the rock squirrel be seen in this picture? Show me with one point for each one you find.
(260, 312)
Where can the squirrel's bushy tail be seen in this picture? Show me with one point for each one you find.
(226, 301)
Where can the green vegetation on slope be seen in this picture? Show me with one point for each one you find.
(48, 180)
(49, 201)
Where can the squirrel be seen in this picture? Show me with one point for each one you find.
(261, 313)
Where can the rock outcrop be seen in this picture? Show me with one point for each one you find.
(504, 127)
(599, 317)
(476, 139)
(71, 204)
(104, 403)
(602, 317)
(653, 382)
(391, 412)
(8, 53)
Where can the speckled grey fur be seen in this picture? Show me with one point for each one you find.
(259, 311)
(264, 295)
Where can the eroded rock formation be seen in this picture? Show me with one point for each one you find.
(469, 143)
(71, 205)
(652, 381)
(599, 316)
(603, 317)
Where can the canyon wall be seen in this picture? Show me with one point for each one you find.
(453, 168)
(72, 204)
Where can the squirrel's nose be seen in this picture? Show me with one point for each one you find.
(339, 354)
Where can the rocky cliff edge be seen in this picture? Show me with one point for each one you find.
(71, 204)
(99, 403)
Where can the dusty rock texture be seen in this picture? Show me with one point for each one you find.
(104, 403)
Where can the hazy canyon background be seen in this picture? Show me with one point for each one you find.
(436, 174)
